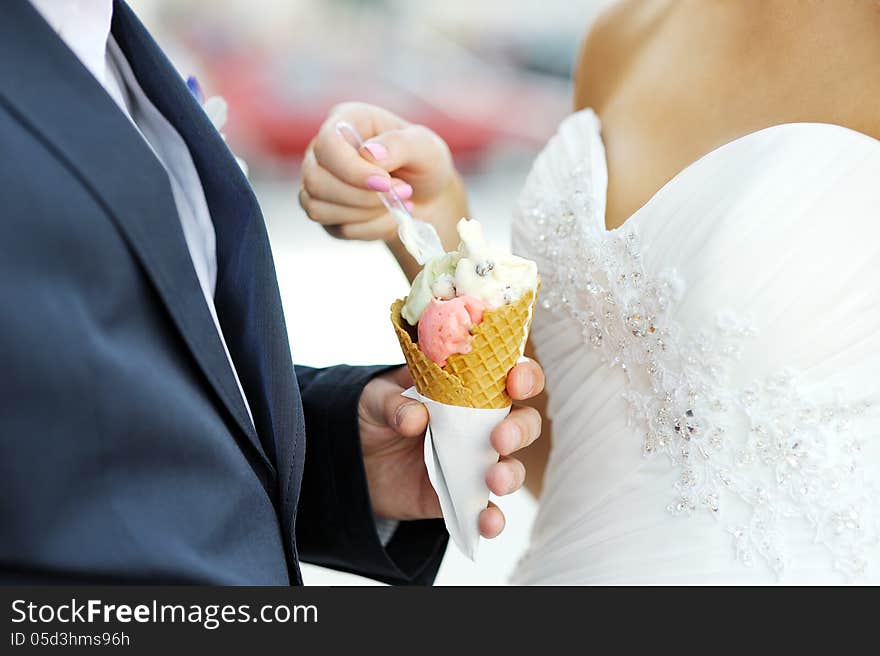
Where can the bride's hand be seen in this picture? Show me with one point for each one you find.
(339, 183)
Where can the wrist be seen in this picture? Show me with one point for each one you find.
(451, 206)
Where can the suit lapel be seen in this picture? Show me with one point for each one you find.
(47, 88)
(247, 298)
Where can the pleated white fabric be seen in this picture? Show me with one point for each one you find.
(712, 364)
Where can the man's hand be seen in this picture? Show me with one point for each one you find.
(392, 432)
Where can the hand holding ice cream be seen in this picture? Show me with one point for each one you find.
(391, 427)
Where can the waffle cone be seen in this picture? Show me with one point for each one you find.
(477, 379)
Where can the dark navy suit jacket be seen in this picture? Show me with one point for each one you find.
(126, 451)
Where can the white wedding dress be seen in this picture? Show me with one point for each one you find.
(713, 366)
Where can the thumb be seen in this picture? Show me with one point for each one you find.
(385, 406)
(407, 417)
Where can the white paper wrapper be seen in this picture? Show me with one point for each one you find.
(458, 455)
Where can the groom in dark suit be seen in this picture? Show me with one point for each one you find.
(153, 428)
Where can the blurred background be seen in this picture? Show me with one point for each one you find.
(490, 77)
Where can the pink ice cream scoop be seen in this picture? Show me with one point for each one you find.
(445, 326)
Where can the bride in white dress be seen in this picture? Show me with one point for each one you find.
(710, 311)
(713, 362)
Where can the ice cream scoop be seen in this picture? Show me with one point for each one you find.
(498, 281)
(475, 269)
(445, 326)
(490, 274)
(435, 280)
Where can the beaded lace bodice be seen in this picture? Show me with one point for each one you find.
(709, 363)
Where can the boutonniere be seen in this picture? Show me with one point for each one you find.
(217, 110)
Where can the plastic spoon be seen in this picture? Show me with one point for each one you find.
(419, 238)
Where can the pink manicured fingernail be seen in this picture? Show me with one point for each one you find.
(377, 150)
(403, 190)
(378, 183)
(410, 206)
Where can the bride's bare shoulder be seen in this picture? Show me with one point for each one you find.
(612, 40)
